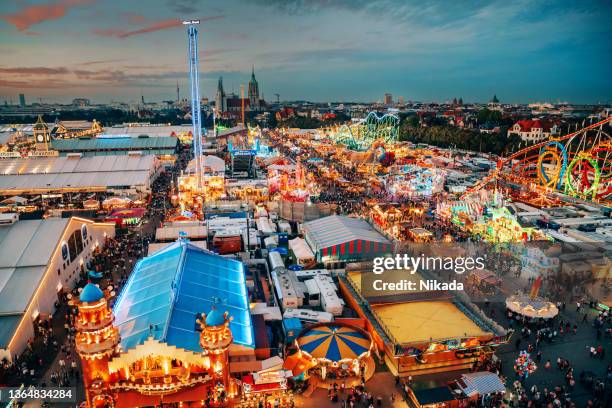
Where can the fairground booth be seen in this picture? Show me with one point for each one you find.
(423, 331)
(126, 217)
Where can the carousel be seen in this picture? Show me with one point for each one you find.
(531, 305)
(336, 351)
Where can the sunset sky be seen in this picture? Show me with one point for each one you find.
(319, 50)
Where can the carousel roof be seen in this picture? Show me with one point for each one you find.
(171, 288)
(532, 307)
(334, 342)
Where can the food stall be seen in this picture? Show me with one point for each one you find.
(126, 217)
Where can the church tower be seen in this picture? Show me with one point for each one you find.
(253, 92)
(215, 339)
(221, 98)
(96, 342)
(42, 137)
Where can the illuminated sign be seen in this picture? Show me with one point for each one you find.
(9, 155)
(44, 153)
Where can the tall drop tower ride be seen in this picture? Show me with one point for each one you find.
(192, 35)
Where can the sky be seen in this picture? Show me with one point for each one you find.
(318, 50)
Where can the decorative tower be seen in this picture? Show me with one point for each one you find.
(215, 340)
(253, 92)
(97, 342)
(42, 137)
(96, 128)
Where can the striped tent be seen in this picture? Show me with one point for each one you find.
(343, 238)
(334, 342)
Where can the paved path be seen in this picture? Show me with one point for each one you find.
(381, 384)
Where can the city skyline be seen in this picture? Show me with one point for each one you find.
(319, 50)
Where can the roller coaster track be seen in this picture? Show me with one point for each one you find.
(361, 136)
(523, 171)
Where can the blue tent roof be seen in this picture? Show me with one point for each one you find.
(169, 290)
(91, 293)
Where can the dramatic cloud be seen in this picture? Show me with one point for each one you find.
(32, 15)
(320, 50)
(158, 26)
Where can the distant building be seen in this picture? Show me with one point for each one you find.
(81, 102)
(220, 98)
(388, 99)
(22, 100)
(533, 131)
(232, 103)
(400, 100)
(254, 101)
(494, 103)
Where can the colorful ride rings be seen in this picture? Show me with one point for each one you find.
(582, 185)
(556, 153)
(604, 190)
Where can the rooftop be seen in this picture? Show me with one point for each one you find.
(131, 143)
(51, 173)
(422, 321)
(336, 229)
(171, 288)
(25, 250)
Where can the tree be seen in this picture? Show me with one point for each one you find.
(413, 121)
(446, 136)
(489, 116)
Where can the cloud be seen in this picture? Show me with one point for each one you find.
(32, 15)
(99, 62)
(158, 26)
(34, 70)
(40, 84)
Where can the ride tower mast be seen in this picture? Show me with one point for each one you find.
(192, 36)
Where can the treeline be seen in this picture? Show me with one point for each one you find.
(447, 136)
(302, 122)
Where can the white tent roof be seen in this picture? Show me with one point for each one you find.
(26, 248)
(301, 249)
(75, 172)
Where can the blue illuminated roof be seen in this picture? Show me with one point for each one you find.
(215, 318)
(91, 293)
(168, 290)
